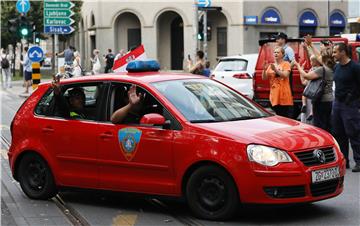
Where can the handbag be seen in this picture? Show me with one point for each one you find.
(315, 89)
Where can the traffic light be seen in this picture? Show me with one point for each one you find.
(25, 27)
(201, 31)
(13, 25)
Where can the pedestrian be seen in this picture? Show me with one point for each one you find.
(207, 70)
(281, 40)
(321, 108)
(27, 64)
(6, 76)
(96, 65)
(120, 54)
(278, 75)
(346, 107)
(312, 50)
(109, 61)
(77, 69)
(68, 54)
(198, 67)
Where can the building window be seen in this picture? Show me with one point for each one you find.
(134, 37)
(222, 41)
(92, 21)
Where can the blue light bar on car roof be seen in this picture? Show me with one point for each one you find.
(143, 66)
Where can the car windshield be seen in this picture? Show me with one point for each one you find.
(232, 65)
(204, 100)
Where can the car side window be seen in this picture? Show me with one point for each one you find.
(46, 104)
(76, 101)
(149, 104)
(88, 108)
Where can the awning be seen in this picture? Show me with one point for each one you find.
(270, 16)
(337, 20)
(308, 19)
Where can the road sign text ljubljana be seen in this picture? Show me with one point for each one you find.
(57, 17)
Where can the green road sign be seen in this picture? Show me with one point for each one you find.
(55, 13)
(58, 5)
(58, 21)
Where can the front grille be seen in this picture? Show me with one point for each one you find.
(285, 192)
(325, 188)
(308, 158)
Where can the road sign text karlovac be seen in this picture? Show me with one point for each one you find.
(57, 17)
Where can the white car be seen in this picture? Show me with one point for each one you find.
(237, 72)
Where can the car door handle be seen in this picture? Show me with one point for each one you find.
(48, 129)
(106, 135)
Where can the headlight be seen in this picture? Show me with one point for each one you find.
(336, 144)
(267, 156)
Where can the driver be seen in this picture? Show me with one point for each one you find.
(74, 108)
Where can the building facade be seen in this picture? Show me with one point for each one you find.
(168, 29)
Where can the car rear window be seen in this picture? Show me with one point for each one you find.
(232, 65)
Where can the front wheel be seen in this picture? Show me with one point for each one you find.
(211, 193)
(35, 177)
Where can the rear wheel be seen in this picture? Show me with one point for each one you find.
(211, 193)
(35, 177)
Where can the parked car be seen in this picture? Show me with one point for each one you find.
(262, 88)
(237, 72)
(196, 139)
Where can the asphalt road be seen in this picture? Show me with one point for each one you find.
(109, 208)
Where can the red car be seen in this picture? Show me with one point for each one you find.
(197, 138)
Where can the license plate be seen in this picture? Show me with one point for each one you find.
(325, 174)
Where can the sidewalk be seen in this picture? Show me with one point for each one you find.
(17, 88)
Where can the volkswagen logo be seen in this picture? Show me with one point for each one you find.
(319, 155)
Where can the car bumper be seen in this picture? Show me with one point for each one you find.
(291, 184)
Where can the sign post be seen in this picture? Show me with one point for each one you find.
(35, 54)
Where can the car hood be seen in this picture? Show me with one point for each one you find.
(275, 131)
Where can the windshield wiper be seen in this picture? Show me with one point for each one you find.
(203, 120)
(245, 118)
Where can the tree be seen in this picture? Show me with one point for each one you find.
(35, 14)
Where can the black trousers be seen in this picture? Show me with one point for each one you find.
(282, 110)
(322, 114)
(346, 126)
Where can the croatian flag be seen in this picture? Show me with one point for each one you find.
(121, 63)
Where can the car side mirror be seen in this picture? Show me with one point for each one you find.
(153, 119)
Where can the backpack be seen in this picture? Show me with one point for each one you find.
(5, 64)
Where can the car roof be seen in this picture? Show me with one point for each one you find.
(240, 57)
(138, 77)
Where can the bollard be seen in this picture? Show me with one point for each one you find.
(36, 76)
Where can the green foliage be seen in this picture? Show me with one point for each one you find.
(35, 14)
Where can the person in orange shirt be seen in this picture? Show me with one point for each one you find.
(278, 74)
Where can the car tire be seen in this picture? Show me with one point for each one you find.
(211, 193)
(35, 177)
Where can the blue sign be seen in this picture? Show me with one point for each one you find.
(35, 54)
(204, 3)
(337, 20)
(23, 6)
(270, 16)
(308, 19)
(250, 19)
(58, 29)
